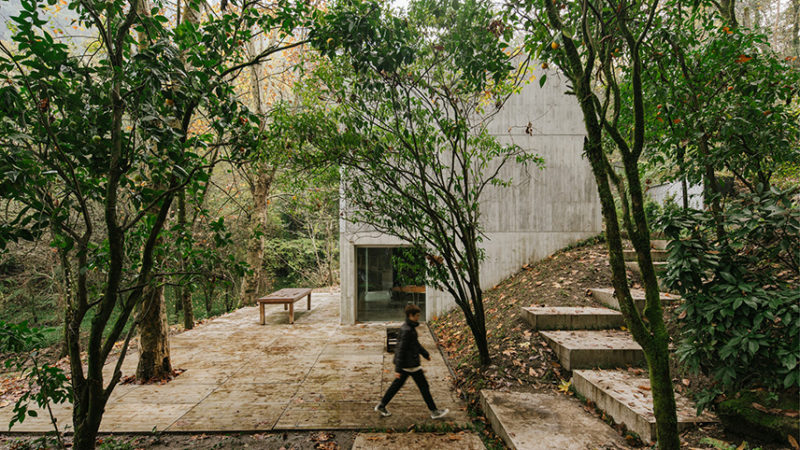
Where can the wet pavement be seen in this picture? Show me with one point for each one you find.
(243, 376)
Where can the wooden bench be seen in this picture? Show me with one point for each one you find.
(287, 297)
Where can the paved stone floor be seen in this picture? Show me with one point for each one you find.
(242, 376)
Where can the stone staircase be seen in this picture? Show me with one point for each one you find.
(627, 398)
(608, 297)
(658, 253)
(588, 338)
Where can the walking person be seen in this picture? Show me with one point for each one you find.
(407, 363)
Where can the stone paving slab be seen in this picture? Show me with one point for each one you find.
(546, 420)
(405, 441)
(627, 399)
(587, 349)
(572, 318)
(607, 297)
(243, 376)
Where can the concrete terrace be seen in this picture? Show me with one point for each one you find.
(242, 376)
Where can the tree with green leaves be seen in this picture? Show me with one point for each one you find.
(724, 106)
(94, 148)
(404, 103)
(593, 42)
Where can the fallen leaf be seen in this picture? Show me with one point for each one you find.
(793, 442)
(759, 407)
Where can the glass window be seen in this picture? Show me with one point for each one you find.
(383, 291)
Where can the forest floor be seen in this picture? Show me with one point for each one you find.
(522, 361)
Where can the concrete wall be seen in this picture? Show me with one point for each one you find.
(542, 211)
(663, 192)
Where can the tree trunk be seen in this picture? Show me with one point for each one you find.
(184, 291)
(256, 282)
(656, 339)
(796, 30)
(727, 8)
(650, 334)
(154, 360)
(86, 419)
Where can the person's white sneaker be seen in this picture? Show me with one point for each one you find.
(382, 409)
(439, 413)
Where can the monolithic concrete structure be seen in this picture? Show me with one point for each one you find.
(542, 211)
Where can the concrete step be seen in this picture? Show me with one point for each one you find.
(544, 420)
(659, 266)
(627, 399)
(659, 244)
(656, 255)
(585, 349)
(572, 318)
(606, 296)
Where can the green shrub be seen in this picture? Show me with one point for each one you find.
(742, 301)
(46, 384)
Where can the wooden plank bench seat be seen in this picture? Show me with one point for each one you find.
(287, 297)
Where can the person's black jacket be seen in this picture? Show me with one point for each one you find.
(408, 349)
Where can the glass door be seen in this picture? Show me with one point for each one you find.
(383, 291)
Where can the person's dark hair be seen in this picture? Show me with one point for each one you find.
(412, 309)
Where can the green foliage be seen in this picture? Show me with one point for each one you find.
(46, 384)
(718, 96)
(760, 414)
(400, 105)
(742, 305)
(404, 87)
(112, 443)
(95, 146)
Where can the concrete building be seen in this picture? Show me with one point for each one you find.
(673, 192)
(543, 211)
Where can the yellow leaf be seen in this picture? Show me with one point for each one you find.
(564, 386)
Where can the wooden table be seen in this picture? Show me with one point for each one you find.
(285, 296)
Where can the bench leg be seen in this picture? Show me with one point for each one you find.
(261, 311)
(291, 312)
(309, 302)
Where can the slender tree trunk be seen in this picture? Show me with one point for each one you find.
(650, 331)
(684, 183)
(727, 8)
(796, 29)
(256, 283)
(656, 341)
(184, 291)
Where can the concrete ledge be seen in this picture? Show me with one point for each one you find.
(659, 244)
(544, 421)
(572, 318)
(656, 255)
(659, 267)
(608, 297)
(628, 400)
(583, 349)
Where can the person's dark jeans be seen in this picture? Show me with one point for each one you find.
(422, 384)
